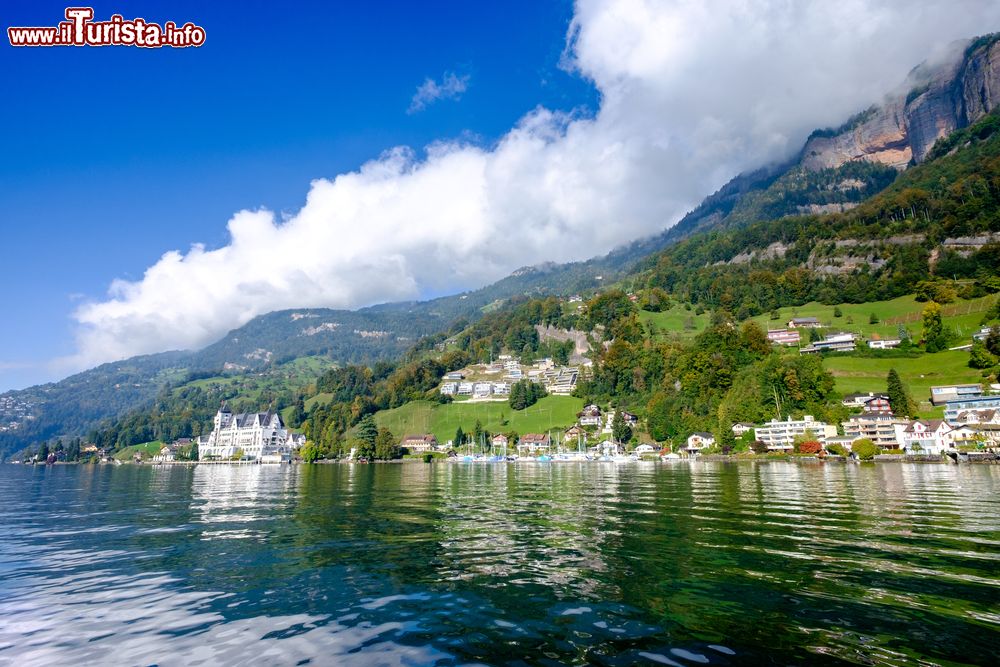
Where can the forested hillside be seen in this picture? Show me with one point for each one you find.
(939, 219)
(782, 236)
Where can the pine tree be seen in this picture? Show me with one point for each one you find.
(899, 397)
(620, 430)
(459, 437)
(367, 431)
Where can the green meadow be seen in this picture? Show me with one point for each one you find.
(549, 414)
(860, 374)
(676, 321)
(146, 449)
(963, 316)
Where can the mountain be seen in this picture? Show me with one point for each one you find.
(939, 219)
(939, 98)
(837, 170)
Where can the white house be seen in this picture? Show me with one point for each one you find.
(698, 441)
(501, 388)
(167, 454)
(860, 400)
(533, 443)
(254, 436)
(590, 416)
(884, 343)
(295, 441)
(982, 334)
(449, 388)
(422, 442)
(784, 336)
(482, 390)
(742, 428)
(841, 342)
(990, 416)
(644, 449)
(465, 388)
(927, 436)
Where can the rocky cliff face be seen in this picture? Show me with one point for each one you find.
(938, 99)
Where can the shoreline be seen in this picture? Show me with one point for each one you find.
(976, 458)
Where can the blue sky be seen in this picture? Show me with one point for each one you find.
(114, 155)
(155, 199)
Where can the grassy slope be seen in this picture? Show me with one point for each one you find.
(672, 321)
(856, 374)
(962, 316)
(148, 448)
(550, 413)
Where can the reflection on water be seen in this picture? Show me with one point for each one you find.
(678, 564)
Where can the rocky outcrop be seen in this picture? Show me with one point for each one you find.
(936, 100)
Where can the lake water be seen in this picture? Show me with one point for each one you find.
(676, 564)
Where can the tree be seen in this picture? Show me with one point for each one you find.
(992, 341)
(726, 439)
(298, 414)
(864, 449)
(525, 393)
(809, 447)
(309, 452)
(934, 336)
(620, 430)
(873, 318)
(980, 357)
(837, 449)
(386, 445)
(658, 417)
(899, 398)
(459, 437)
(837, 312)
(43, 451)
(367, 431)
(363, 448)
(758, 447)
(478, 433)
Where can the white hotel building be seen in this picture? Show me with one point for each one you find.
(260, 435)
(781, 434)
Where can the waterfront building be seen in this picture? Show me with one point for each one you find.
(533, 443)
(882, 428)
(780, 435)
(423, 442)
(698, 441)
(927, 437)
(253, 436)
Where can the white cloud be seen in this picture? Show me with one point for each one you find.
(692, 92)
(450, 87)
